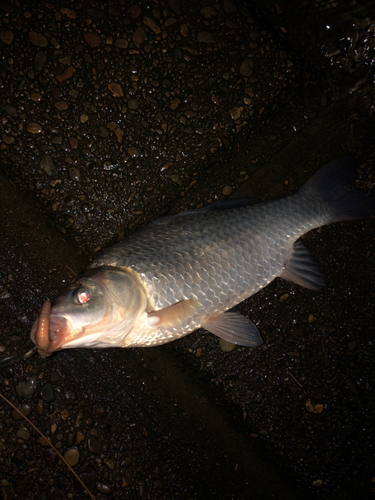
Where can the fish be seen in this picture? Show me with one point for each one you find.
(188, 271)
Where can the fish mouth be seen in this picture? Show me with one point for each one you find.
(49, 331)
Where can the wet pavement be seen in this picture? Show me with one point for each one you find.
(116, 113)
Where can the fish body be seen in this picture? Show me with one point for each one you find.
(184, 272)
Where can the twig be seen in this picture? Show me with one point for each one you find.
(71, 270)
(50, 444)
(294, 378)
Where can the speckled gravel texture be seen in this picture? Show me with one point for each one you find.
(114, 113)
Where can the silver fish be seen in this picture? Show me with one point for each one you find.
(187, 271)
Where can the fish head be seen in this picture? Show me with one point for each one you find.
(96, 310)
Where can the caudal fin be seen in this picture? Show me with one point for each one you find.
(334, 185)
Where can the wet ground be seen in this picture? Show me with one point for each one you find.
(116, 113)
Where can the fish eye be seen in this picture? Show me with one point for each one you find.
(81, 296)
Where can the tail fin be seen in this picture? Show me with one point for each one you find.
(335, 187)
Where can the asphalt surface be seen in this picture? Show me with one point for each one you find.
(114, 114)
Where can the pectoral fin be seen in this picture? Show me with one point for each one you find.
(177, 312)
(234, 328)
(304, 269)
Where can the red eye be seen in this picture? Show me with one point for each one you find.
(83, 297)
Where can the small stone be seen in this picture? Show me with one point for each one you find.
(74, 173)
(208, 12)
(23, 433)
(26, 389)
(226, 346)
(25, 410)
(134, 11)
(184, 30)
(229, 7)
(227, 191)
(40, 60)
(284, 297)
(11, 110)
(246, 67)
(92, 39)
(128, 461)
(103, 489)
(115, 89)
(205, 37)
(151, 24)
(139, 37)
(68, 73)
(72, 457)
(133, 151)
(352, 345)
(133, 104)
(317, 483)
(198, 353)
(88, 107)
(110, 463)
(6, 37)
(34, 128)
(121, 43)
(48, 166)
(79, 437)
(175, 5)
(235, 112)
(8, 139)
(83, 118)
(61, 105)
(48, 393)
(311, 318)
(94, 445)
(35, 97)
(65, 414)
(73, 142)
(38, 39)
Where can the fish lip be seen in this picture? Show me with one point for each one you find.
(57, 334)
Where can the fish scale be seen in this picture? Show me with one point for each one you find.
(187, 271)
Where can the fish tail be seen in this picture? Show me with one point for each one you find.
(333, 185)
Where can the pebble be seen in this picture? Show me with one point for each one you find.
(38, 39)
(226, 346)
(227, 191)
(133, 104)
(235, 112)
(121, 43)
(40, 60)
(72, 457)
(48, 166)
(246, 67)
(311, 318)
(92, 39)
(151, 24)
(11, 110)
(35, 97)
(48, 393)
(284, 297)
(134, 11)
(205, 37)
(74, 173)
(88, 107)
(25, 410)
(23, 433)
(61, 105)
(104, 489)
(11, 358)
(175, 5)
(6, 37)
(352, 345)
(133, 151)
(94, 445)
(115, 89)
(26, 389)
(127, 461)
(229, 7)
(139, 37)
(34, 128)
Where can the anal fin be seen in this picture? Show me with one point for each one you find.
(304, 269)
